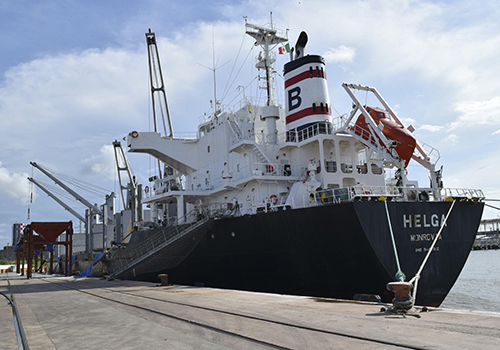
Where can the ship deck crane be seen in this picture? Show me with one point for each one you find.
(157, 85)
(158, 94)
(131, 193)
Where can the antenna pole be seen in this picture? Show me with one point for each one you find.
(213, 70)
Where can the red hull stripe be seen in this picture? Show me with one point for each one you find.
(302, 76)
(305, 113)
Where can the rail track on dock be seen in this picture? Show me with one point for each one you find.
(229, 323)
(22, 341)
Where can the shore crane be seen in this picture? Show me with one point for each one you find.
(93, 209)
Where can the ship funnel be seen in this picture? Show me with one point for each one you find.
(300, 45)
(306, 92)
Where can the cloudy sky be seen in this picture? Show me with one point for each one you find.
(74, 78)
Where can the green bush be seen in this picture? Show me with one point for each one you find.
(6, 262)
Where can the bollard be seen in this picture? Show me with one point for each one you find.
(163, 278)
(402, 295)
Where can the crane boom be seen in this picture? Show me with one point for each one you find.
(122, 165)
(157, 85)
(60, 202)
(79, 198)
(131, 193)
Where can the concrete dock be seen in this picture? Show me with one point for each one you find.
(92, 313)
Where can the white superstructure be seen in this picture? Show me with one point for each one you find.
(258, 159)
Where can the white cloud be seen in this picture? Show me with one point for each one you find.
(14, 185)
(101, 164)
(485, 112)
(451, 139)
(341, 54)
(60, 89)
(431, 128)
(406, 121)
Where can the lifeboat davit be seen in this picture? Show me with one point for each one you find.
(391, 129)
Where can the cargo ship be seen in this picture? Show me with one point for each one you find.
(298, 200)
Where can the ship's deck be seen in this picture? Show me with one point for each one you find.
(91, 313)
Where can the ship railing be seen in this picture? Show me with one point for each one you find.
(187, 136)
(431, 153)
(368, 138)
(373, 192)
(312, 199)
(223, 209)
(339, 121)
(169, 182)
(295, 136)
(340, 195)
(469, 193)
(427, 194)
(266, 139)
(258, 170)
(274, 169)
(244, 138)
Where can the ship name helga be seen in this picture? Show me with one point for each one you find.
(422, 220)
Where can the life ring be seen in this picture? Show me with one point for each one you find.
(134, 134)
(146, 189)
(274, 199)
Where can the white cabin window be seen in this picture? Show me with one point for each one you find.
(330, 166)
(376, 170)
(345, 157)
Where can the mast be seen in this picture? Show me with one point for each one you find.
(267, 38)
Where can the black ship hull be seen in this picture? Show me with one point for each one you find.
(333, 251)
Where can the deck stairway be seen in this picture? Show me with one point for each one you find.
(261, 155)
(162, 248)
(236, 129)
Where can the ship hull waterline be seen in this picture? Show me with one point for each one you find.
(332, 251)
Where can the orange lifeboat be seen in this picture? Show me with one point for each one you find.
(391, 129)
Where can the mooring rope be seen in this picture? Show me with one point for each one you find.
(400, 276)
(491, 206)
(417, 275)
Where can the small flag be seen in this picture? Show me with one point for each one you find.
(284, 49)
